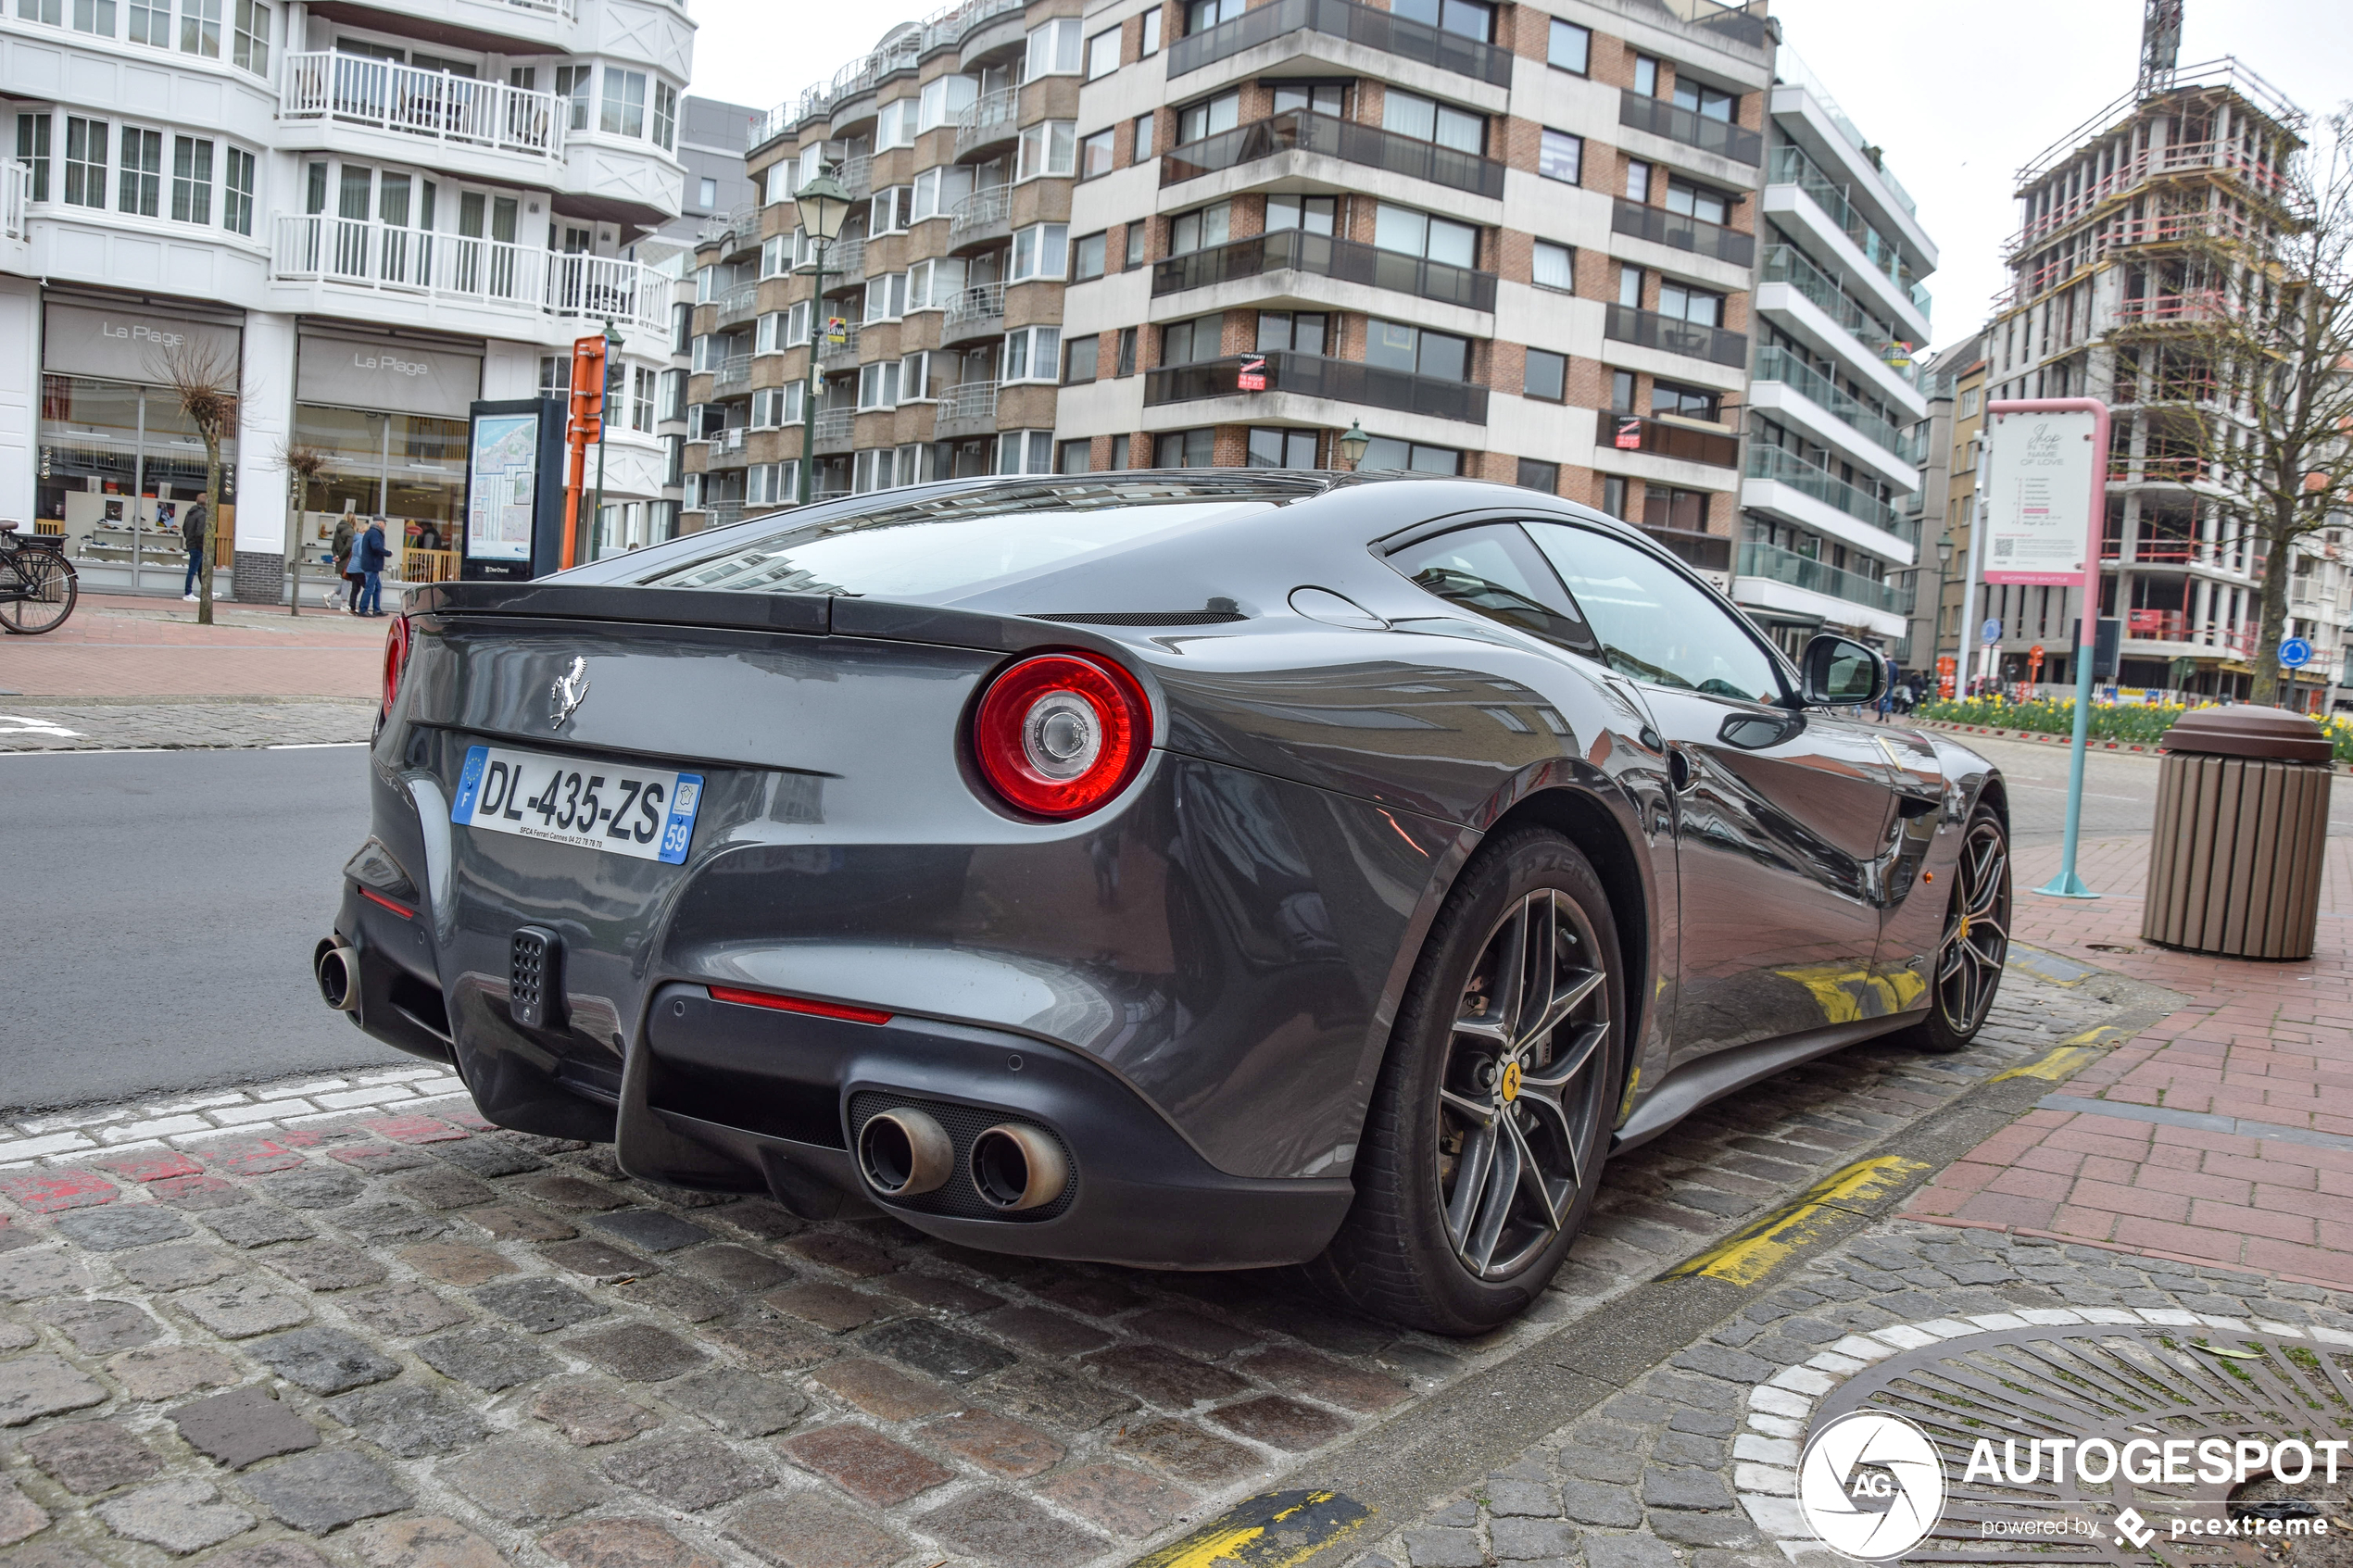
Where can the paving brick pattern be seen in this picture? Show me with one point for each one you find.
(2264, 1047)
(177, 726)
(345, 1314)
(123, 646)
(1691, 1464)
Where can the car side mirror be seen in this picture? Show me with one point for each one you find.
(1840, 672)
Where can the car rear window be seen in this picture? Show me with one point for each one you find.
(952, 544)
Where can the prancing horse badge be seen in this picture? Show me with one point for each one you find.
(570, 690)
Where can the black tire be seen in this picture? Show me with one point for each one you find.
(49, 586)
(1976, 941)
(1449, 1233)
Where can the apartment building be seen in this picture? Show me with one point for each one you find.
(1829, 535)
(2111, 277)
(1944, 446)
(376, 213)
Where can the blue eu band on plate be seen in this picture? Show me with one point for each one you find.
(635, 811)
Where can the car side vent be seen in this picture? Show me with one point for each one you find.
(534, 978)
(1217, 612)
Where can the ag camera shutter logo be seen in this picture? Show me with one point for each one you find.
(1872, 1484)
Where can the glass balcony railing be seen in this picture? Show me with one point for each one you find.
(1790, 166)
(1663, 117)
(1648, 328)
(1696, 235)
(1312, 375)
(1344, 19)
(1770, 561)
(1787, 264)
(1775, 364)
(1325, 255)
(1302, 130)
(1786, 468)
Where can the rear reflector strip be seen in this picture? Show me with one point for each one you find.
(375, 898)
(797, 1004)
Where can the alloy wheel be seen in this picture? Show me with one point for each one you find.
(1976, 929)
(1520, 1099)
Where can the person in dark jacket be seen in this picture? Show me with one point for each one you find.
(370, 556)
(192, 534)
(346, 535)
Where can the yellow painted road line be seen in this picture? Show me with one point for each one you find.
(1272, 1530)
(1756, 1249)
(2063, 1058)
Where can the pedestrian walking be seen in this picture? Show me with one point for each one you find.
(371, 557)
(346, 534)
(192, 534)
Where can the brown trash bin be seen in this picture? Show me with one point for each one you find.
(2242, 827)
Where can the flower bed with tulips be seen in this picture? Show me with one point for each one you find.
(2134, 725)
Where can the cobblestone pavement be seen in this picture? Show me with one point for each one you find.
(1693, 1464)
(114, 726)
(344, 1320)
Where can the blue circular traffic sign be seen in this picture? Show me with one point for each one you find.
(2296, 653)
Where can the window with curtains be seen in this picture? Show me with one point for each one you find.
(1209, 116)
(1049, 147)
(641, 398)
(191, 179)
(1032, 354)
(1042, 250)
(1560, 155)
(1426, 119)
(1103, 54)
(1555, 267)
(1053, 49)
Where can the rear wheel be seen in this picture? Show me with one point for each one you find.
(48, 588)
(1976, 943)
(1484, 1144)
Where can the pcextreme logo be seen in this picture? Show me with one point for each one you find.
(1872, 1484)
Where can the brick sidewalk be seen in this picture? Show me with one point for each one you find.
(2221, 1134)
(119, 645)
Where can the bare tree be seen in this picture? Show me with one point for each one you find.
(2276, 335)
(304, 463)
(204, 377)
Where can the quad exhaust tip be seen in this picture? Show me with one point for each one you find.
(336, 967)
(905, 1152)
(1016, 1166)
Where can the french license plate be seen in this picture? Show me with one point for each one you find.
(637, 811)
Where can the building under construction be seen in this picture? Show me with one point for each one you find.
(2124, 253)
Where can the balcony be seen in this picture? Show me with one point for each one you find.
(844, 259)
(1662, 117)
(968, 409)
(973, 312)
(1312, 375)
(2123, 468)
(1648, 328)
(1775, 564)
(738, 304)
(741, 219)
(1787, 264)
(834, 428)
(842, 352)
(1348, 261)
(1785, 468)
(1343, 19)
(1696, 235)
(732, 373)
(985, 215)
(460, 110)
(346, 253)
(988, 120)
(1302, 131)
(857, 175)
(2196, 308)
(1793, 167)
(1778, 364)
(727, 449)
(1631, 432)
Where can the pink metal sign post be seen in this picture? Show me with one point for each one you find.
(2037, 450)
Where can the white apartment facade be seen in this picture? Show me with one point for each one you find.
(379, 213)
(1827, 538)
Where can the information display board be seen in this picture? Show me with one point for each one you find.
(2039, 471)
(514, 489)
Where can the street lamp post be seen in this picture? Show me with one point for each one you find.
(1353, 443)
(613, 368)
(823, 207)
(1936, 626)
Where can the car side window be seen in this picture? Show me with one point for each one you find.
(1493, 570)
(1653, 623)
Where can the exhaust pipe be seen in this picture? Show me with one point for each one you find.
(1016, 1166)
(336, 967)
(905, 1152)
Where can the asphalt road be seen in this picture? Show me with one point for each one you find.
(160, 909)
(2119, 790)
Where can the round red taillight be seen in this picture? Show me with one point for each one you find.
(1057, 735)
(395, 659)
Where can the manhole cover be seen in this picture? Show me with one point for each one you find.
(2164, 1425)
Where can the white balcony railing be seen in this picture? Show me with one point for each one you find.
(978, 303)
(354, 88)
(989, 205)
(16, 189)
(348, 253)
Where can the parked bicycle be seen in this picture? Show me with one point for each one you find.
(37, 584)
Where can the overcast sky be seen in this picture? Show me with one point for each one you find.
(1958, 93)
